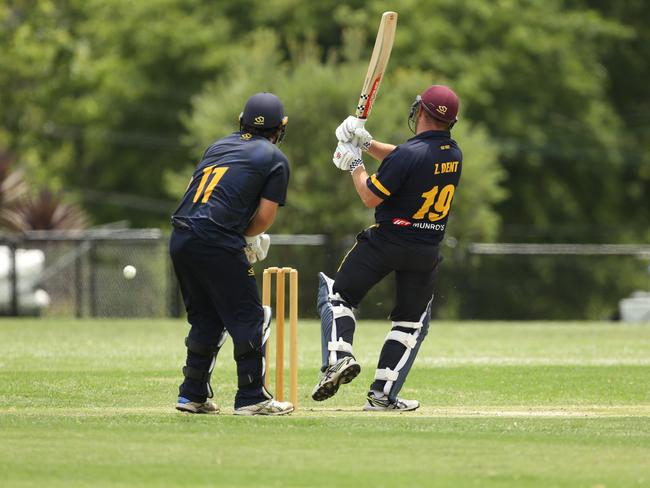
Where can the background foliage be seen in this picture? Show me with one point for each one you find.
(112, 102)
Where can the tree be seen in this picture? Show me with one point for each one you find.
(113, 100)
(317, 95)
(22, 209)
(627, 60)
(85, 87)
(92, 92)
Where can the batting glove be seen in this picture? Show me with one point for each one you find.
(362, 138)
(355, 164)
(346, 154)
(345, 131)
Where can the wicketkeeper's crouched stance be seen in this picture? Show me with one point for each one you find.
(412, 192)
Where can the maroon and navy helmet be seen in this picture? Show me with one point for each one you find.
(440, 102)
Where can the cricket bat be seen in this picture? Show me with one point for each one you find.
(376, 69)
(377, 66)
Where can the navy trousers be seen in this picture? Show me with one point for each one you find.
(373, 257)
(220, 292)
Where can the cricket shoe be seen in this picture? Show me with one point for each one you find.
(382, 403)
(342, 371)
(266, 407)
(186, 405)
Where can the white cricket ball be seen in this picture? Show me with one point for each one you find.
(129, 272)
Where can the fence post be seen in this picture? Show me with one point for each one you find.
(78, 281)
(13, 273)
(92, 263)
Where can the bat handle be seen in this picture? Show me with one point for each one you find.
(360, 123)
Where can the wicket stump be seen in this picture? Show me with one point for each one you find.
(279, 330)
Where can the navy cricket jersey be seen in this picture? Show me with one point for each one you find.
(226, 187)
(417, 182)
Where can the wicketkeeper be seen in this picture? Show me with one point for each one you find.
(218, 233)
(412, 193)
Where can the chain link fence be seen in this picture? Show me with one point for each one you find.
(553, 281)
(80, 274)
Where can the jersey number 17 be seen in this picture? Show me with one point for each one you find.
(217, 175)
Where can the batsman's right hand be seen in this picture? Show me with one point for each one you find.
(352, 130)
(346, 155)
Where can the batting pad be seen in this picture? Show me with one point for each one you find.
(396, 376)
(337, 322)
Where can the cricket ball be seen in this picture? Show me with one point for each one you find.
(129, 272)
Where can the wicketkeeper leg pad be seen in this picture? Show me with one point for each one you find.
(201, 359)
(266, 333)
(400, 349)
(337, 323)
(251, 363)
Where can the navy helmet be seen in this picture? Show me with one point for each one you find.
(263, 111)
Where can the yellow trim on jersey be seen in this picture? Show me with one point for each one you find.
(379, 186)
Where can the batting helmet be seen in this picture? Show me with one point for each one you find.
(440, 102)
(263, 111)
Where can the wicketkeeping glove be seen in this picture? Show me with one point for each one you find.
(257, 247)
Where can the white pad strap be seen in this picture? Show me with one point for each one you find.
(339, 345)
(407, 352)
(386, 374)
(408, 325)
(409, 340)
(342, 311)
(336, 343)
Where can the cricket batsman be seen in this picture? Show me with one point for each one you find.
(411, 193)
(218, 234)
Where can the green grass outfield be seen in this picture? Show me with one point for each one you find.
(89, 403)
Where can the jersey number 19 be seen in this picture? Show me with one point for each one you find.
(441, 203)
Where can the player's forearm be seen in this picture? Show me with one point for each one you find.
(263, 218)
(359, 177)
(257, 226)
(260, 223)
(379, 150)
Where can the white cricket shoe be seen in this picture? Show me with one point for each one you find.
(382, 403)
(188, 406)
(342, 371)
(266, 407)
